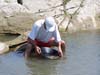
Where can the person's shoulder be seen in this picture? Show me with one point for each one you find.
(39, 22)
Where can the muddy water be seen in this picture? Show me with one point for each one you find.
(82, 57)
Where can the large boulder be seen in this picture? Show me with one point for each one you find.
(15, 18)
(80, 14)
(85, 15)
(44, 7)
(6, 45)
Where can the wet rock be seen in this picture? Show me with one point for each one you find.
(3, 48)
(17, 41)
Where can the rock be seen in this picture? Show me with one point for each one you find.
(21, 39)
(15, 18)
(86, 16)
(3, 48)
(17, 41)
(52, 7)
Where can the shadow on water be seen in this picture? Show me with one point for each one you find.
(82, 57)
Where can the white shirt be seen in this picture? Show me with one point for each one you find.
(40, 33)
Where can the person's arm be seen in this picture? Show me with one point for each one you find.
(32, 37)
(58, 39)
(60, 50)
(37, 48)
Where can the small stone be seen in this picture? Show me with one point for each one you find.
(3, 48)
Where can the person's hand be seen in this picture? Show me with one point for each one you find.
(38, 50)
(60, 53)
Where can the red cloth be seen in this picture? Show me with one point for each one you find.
(40, 43)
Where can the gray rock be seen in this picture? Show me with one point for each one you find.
(15, 18)
(86, 17)
(88, 10)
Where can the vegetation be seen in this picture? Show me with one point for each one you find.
(71, 15)
(64, 5)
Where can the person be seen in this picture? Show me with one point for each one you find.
(44, 33)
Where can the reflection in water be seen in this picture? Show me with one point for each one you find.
(82, 57)
(42, 67)
(82, 53)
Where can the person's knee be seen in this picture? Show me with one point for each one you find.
(28, 50)
(63, 43)
(29, 46)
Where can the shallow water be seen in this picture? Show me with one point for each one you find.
(82, 57)
(7, 37)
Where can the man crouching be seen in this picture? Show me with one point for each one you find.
(44, 33)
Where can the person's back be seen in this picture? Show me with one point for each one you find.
(40, 32)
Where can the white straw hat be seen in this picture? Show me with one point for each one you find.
(50, 24)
